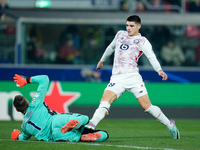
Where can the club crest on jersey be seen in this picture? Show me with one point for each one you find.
(124, 47)
(136, 41)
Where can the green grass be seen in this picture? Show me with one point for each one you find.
(124, 134)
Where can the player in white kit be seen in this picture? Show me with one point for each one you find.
(127, 47)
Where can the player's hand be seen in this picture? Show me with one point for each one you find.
(162, 74)
(20, 80)
(99, 65)
(15, 134)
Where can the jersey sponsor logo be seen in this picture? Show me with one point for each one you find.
(33, 100)
(36, 95)
(124, 46)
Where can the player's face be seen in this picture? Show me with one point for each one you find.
(132, 28)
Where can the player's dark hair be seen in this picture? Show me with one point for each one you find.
(20, 103)
(134, 18)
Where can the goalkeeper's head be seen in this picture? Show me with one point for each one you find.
(21, 103)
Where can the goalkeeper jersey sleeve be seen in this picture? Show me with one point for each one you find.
(43, 81)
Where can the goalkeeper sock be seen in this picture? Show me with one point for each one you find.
(159, 115)
(100, 112)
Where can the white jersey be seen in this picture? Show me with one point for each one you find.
(127, 52)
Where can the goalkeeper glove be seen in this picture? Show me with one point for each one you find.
(15, 134)
(21, 80)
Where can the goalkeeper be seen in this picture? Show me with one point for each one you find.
(48, 125)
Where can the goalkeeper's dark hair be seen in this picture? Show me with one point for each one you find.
(134, 18)
(20, 103)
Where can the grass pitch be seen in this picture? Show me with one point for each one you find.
(124, 135)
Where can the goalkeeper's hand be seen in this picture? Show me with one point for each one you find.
(15, 134)
(20, 80)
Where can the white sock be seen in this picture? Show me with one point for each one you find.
(100, 112)
(159, 115)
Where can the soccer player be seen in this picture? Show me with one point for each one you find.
(47, 125)
(128, 46)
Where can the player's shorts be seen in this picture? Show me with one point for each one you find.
(131, 82)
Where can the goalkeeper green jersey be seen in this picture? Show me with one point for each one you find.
(45, 124)
(38, 117)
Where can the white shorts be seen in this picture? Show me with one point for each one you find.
(131, 82)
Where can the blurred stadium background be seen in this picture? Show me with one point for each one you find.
(65, 39)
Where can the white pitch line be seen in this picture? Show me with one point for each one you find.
(109, 145)
(126, 146)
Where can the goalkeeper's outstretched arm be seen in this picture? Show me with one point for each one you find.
(42, 80)
(17, 135)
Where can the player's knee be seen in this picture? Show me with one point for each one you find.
(105, 106)
(84, 119)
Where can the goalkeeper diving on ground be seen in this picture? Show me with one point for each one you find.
(47, 125)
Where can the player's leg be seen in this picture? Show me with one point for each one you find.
(112, 92)
(156, 112)
(75, 121)
(103, 109)
(94, 135)
(60, 120)
(140, 92)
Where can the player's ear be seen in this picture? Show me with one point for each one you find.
(139, 26)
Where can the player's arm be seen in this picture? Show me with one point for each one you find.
(17, 135)
(42, 80)
(109, 50)
(148, 51)
(24, 136)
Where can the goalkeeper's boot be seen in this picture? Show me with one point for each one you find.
(90, 125)
(95, 137)
(70, 125)
(174, 131)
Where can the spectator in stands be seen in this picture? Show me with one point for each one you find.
(34, 50)
(35, 53)
(189, 57)
(91, 51)
(68, 54)
(158, 38)
(71, 31)
(140, 7)
(124, 6)
(172, 54)
(162, 5)
(92, 75)
(3, 8)
(156, 4)
(192, 31)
